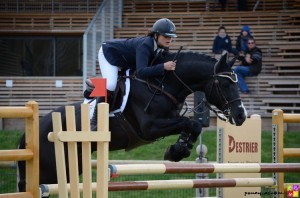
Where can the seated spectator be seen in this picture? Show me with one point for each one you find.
(251, 64)
(222, 43)
(242, 39)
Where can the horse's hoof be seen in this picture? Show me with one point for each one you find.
(168, 154)
(174, 154)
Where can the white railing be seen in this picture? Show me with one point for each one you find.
(108, 16)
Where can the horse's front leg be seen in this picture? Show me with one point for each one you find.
(184, 144)
(189, 131)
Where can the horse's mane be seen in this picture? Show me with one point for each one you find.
(188, 57)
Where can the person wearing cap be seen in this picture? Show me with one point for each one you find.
(137, 54)
(242, 39)
(251, 65)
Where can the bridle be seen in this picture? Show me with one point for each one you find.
(224, 112)
(225, 108)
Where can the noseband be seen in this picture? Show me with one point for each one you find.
(225, 108)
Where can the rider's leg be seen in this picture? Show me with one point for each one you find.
(110, 72)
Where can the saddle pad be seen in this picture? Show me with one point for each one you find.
(124, 101)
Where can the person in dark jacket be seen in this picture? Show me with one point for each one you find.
(137, 54)
(242, 39)
(251, 64)
(222, 42)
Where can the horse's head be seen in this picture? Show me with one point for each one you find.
(222, 92)
(199, 72)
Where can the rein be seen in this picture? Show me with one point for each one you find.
(172, 98)
(223, 113)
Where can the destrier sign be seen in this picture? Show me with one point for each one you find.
(241, 146)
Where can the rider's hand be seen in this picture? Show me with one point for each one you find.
(170, 65)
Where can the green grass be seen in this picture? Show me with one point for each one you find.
(155, 151)
(8, 140)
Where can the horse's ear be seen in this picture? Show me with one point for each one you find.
(222, 61)
(231, 63)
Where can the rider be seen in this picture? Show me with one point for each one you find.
(136, 54)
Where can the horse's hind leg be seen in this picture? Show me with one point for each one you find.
(184, 144)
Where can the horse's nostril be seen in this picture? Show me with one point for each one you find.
(242, 117)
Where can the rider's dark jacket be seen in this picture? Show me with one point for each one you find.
(134, 53)
(256, 56)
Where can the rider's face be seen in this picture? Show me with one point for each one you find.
(164, 41)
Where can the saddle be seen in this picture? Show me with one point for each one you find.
(120, 95)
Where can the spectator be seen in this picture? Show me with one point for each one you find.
(251, 64)
(242, 39)
(222, 43)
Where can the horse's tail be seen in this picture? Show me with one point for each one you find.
(21, 169)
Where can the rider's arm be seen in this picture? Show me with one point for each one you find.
(144, 56)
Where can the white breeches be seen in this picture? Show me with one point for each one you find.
(108, 71)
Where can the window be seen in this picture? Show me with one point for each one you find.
(41, 56)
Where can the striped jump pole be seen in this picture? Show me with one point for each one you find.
(51, 189)
(131, 169)
(190, 183)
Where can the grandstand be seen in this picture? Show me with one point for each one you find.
(275, 25)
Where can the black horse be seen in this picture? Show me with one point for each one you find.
(138, 125)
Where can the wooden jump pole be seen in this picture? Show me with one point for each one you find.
(177, 184)
(279, 152)
(31, 153)
(131, 169)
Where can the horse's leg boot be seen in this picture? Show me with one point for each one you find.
(179, 150)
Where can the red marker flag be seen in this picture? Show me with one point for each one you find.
(100, 88)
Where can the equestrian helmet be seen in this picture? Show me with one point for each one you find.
(165, 27)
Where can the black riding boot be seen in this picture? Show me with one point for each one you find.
(95, 115)
(110, 100)
(87, 94)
